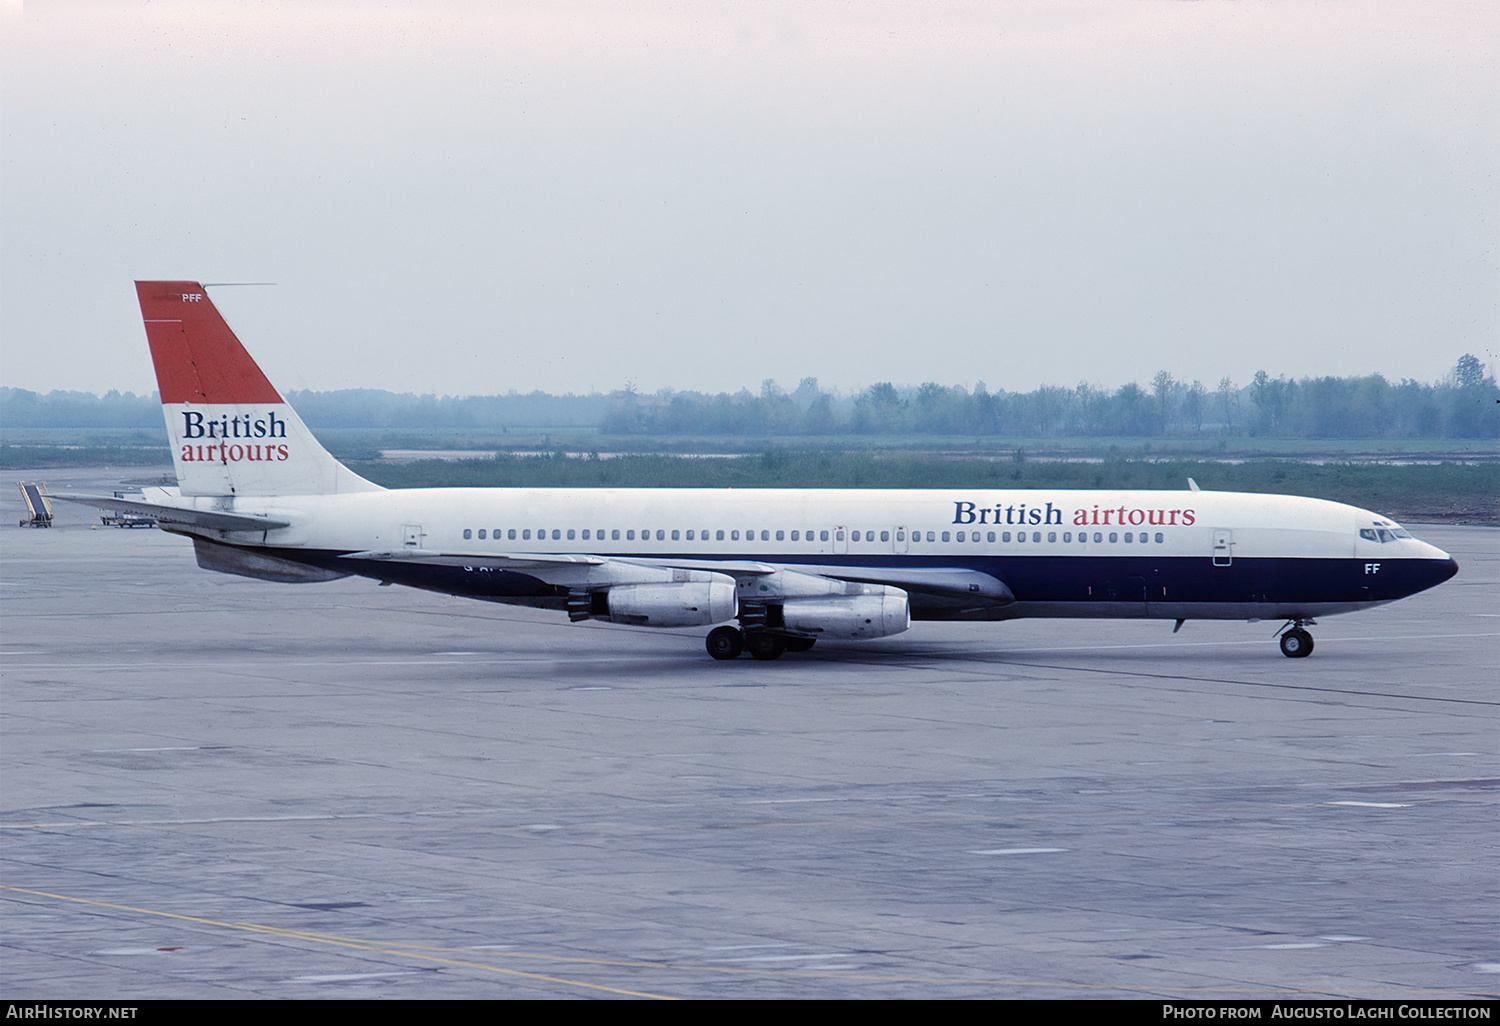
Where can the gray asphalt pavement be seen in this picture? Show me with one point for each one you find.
(216, 787)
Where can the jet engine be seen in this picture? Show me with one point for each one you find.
(879, 612)
(689, 604)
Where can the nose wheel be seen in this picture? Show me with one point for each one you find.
(1296, 643)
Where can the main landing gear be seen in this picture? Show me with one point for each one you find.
(729, 642)
(1296, 643)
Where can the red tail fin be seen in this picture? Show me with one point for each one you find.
(231, 432)
(197, 357)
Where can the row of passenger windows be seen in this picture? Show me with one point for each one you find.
(558, 534)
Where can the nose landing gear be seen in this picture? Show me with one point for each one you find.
(1296, 643)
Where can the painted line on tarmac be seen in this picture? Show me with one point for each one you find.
(441, 956)
(342, 942)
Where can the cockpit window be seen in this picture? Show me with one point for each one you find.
(1383, 534)
(1368, 534)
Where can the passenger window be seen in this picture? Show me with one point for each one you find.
(900, 535)
(570, 534)
(1021, 536)
(468, 533)
(838, 536)
(1052, 536)
(960, 536)
(1005, 536)
(614, 535)
(780, 535)
(481, 534)
(931, 536)
(885, 536)
(1128, 538)
(719, 535)
(992, 536)
(1067, 536)
(822, 535)
(556, 534)
(630, 536)
(765, 536)
(585, 534)
(1098, 537)
(526, 534)
(734, 536)
(794, 535)
(1113, 537)
(854, 536)
(661, 535)
(689, 536)
(945, 536)
(1158, 537)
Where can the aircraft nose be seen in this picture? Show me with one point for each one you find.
(1432, 572)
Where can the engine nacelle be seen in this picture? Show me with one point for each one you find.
(877, 613)
(686, 604)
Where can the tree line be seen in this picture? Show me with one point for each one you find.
(1466, 404)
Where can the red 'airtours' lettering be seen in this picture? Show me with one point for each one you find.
(234, 453)
(1124, 516)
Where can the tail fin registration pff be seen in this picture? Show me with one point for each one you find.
(230, 430)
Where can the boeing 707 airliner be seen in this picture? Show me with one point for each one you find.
(770, 570)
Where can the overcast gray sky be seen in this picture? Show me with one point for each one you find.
(468, 198)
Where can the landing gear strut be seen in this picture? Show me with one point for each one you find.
(1296, 643)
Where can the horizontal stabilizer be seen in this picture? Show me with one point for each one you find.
(213, 520)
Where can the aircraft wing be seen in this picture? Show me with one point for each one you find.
(948, 582)
(490, 560)
(936, 592)
(164, 514)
